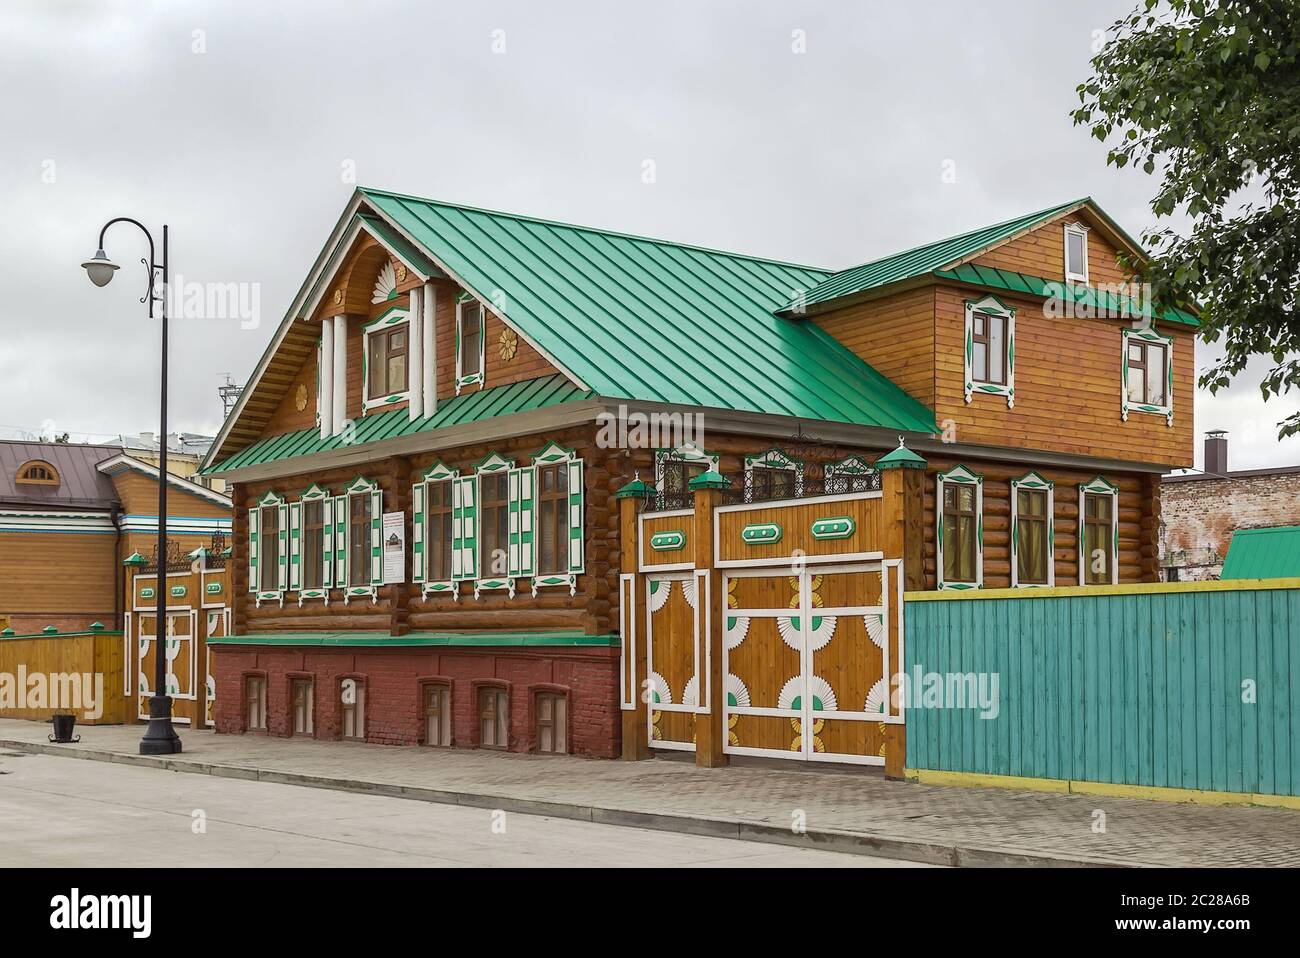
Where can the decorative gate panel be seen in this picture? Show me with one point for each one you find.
(807, 650)
(672, 660)
(178, 647)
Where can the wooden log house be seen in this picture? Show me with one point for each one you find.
(508, 483)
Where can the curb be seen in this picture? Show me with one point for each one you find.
(852, 843)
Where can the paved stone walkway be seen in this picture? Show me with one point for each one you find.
(841, 809)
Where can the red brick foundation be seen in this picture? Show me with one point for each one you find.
(393, 680)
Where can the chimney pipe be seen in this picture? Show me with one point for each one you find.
(1216, 452)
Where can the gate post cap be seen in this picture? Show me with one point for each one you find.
(632, 489)
(709, 480)
(901, 458)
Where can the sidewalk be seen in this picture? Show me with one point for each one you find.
(845, 810)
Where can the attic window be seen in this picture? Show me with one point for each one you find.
(1076, 253)
(469, 344)
(37, 472)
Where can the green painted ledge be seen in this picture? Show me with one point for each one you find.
(5, 635)
(421, 639)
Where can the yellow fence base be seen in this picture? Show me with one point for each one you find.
(1108, 789)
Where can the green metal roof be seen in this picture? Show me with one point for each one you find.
(528, 639)
(924, 259)
(643, 319)
(1263, 554)
(468, 407)
(1037, 286)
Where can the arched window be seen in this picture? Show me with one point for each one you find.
(38, 472)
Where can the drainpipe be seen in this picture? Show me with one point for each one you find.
(116, 516)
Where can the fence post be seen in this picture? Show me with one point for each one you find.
(636, 734)
(709, 733)
(902, 473)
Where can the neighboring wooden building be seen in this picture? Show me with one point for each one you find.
(70, 516)
(502, 482)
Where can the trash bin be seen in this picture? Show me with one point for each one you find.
(63, 726)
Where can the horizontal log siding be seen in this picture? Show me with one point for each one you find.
(1068, 387)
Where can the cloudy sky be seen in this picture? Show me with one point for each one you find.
(817, 132)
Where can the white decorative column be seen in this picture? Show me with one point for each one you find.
(340, 372)
(415, 359)
(429, 368)
(325, 400)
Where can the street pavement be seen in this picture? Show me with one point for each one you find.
(828, 807)
(55, 812)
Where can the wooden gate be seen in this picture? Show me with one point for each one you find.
(672, 659)
(806, 662)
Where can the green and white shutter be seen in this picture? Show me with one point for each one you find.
(464, 528)
(376, 536)
(577, 562)
(282, 573)
(340, 542)
(327, 543)
(253, 548)
(295, 546)
(522, 483)
(418, 495)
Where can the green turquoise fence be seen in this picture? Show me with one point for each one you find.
(1184, 685)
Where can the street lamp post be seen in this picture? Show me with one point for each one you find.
(160, 737)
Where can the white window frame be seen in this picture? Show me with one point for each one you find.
(361, 486)
(550, 455)
(394, 316)
(272, 500)
(1074, 229)
(436, 473)
(1147, 335)
(991, 306)
(313, 493)
(479, 377)
(1037, 483)
(960, 475)
(491, 465)
(1100, 486)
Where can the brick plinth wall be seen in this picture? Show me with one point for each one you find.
(393, 699)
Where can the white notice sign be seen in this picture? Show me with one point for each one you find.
(394, 533)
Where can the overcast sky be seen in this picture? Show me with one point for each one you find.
(237, 123)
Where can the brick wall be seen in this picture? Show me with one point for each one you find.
(1199, 517)
(393, 706)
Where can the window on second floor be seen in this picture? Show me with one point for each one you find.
(268, 569)
(386, 364)
(989, 348)
(359, 545)
(494, 525)
(438, 531)
(313, 544)
(1148, 373)
(553, 519)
